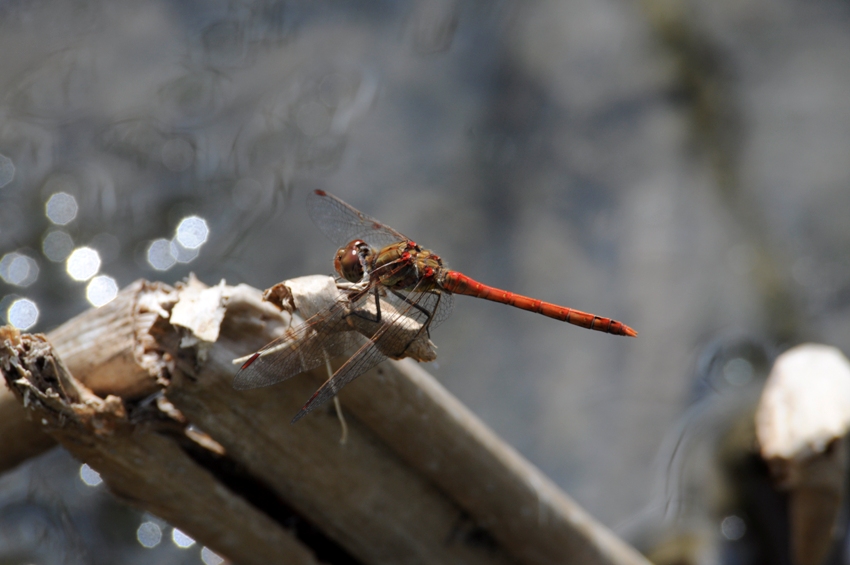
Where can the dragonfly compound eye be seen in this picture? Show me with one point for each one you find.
(349, 261)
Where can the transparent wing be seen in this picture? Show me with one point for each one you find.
(342, 222)
(324, 336)
(405, 317)
(366, 357)
(442, 309)
(432, 307)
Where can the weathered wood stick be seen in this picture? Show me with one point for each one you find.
(143, 454)
(99, 346)
(420, 480)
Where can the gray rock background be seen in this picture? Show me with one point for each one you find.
(683, 167)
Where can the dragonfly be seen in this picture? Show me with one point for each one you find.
(392, 293)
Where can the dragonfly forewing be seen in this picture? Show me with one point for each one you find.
(302, 348)
(401, 332)
(364, 359)
(342, 223)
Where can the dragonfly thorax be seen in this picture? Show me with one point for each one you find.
(353, 260)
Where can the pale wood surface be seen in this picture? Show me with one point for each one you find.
(420, 479)
(802, 422)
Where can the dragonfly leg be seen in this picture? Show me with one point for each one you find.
(343, 284)
(377, 318)
(427, 325)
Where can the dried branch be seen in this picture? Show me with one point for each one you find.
(420, 479)
(139, 452)
(99, 344)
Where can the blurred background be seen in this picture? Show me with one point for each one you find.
(681, 166)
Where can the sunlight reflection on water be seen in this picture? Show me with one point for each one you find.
(101, 290)
(192, 232)
(160, 255)
(149, 534)
(210, 558)
(57, 245)
(61, 208)
(181, 540)
(182, 254)
(18, 269)
(89, 476)
(733, 527)
(83, 263)
(22, 313)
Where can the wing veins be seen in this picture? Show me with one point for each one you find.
(363, 359)
(301, 349)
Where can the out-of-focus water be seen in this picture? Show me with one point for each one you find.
(683, 169)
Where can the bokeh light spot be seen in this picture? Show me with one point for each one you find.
(18, 269)
(22, 313)
(149, 534)
(89, 476)
(7, 171)
(83, 263)
(210, 558)
(61, 208)
(192, 232)
(57, 245)
(160, 255)
(182, 254)
(101, 290)
(733, 528)
(181, 540)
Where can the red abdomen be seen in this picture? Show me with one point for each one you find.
(458, 283)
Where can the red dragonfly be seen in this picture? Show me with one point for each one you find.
(399, 289)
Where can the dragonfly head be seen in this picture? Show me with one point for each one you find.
(353, 260)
